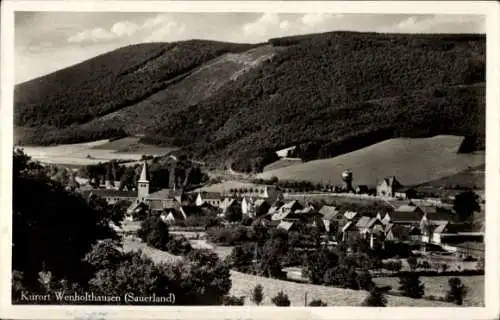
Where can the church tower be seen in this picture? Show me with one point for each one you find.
(143, 184)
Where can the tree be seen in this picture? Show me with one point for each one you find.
(317, 303)
(258, 294)
(412, 263)
(318, 263)
(48, 223)
(281, 300)
(154, 232)
(411, 286)
(233, 214)
(465, 204)
(457, 291)
(375, 298)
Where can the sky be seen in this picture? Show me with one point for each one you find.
(48, 41)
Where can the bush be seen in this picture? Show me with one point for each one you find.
(233, 301)
(281, 300)
(154, 232)
(258, 294)
(375, 299)
(411, 286)
(178, 245)
(228, 235)
(317, 303)
(457, 291)
(412, 263)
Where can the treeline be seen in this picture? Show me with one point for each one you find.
(161, 174)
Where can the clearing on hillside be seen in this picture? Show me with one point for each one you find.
(132, 145)
(412, 160)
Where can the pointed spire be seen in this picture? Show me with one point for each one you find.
(144, 177)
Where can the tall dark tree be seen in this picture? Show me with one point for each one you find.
(465, 205)
(411, 286)
(457, 291)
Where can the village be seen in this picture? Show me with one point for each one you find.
(427, 226)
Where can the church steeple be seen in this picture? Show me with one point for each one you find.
(143, 183)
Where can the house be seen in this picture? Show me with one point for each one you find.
(330, 214)
(170, 216)
(367, 228)
(250, 190)
(396, 233)
(288, 226)
(405, 193)
(247, 206)
(406, 215)
(136, 208)
(212, 198)
(229, 204)
(388, 187)
(261, 207)
(275, 206)
(286, 210)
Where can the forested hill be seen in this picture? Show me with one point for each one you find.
(330, 93)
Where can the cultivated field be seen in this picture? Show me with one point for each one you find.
(94, 152)
(412, 161)
(133, 146)
(282, 163)
(438, 286)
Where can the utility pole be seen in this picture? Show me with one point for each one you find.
(305, 299)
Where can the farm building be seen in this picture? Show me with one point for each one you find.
(212, 198)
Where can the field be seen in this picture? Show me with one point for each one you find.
(412, 161)
(132, 145)
(437, 286)
(282, 163)
(94, 152)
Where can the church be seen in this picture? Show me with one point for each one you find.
(167, 202)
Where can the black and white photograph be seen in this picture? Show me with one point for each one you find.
(255, 158)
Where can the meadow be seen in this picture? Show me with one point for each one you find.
(412, 161)
(438, 286)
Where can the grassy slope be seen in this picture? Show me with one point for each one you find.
(437, 286)
(338, 89)
(413, 161)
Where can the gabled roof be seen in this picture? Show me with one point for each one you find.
(329, 212)
(392, 182)
(348, 226)
(165, 194)
(155, 205)
(286, 225)
(291, 204)
(176, 214)
(407, 208)
(440, 228)
(259, 202)
(395, 232)
(363, 222)
(350, 215)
